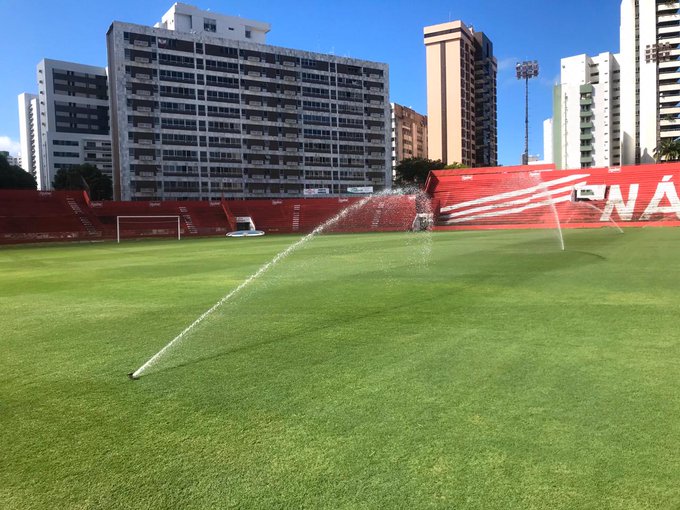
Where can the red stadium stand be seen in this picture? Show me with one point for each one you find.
(378, 214)
(537, 196)
(31, 216)
(196, 218)
(474, 198)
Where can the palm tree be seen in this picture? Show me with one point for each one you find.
(668, 150)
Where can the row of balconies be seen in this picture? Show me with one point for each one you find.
(276, 94)
(669, 87)
(668, 29)
(257, 146)
(332, 84)
(234, 168)
(288, 154)
(248, 130)
(667, 7)
(215, 191)
(371, 120)
(670, 134)
(143, 55)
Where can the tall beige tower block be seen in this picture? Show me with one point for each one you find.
(461, 95)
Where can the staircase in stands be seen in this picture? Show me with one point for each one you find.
(296, 218)
(187, 219)
(91, 229)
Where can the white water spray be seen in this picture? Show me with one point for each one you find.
(280, 256)
(601, 211)
(551, 202)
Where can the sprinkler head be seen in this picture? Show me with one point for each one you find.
(131, 375)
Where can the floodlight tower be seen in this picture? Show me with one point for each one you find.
(525, 70)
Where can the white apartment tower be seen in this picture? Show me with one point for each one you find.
(203, 108)
(29, 133)
(643, 87)
(187, 18)
(587, 110)
(650, 69)
(73, 106)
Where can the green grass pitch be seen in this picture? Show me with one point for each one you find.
(477, 370)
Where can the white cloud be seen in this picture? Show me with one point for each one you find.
(9, 145)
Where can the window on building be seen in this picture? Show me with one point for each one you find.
(209, 25)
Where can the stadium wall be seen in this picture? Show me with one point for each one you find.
(33, 216)
(532, 196)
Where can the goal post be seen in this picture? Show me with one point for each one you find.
(142, 219)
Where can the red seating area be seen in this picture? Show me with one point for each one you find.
(475, 198)
(31, 216)
(272, 216)
(196, 218)
(537, 196)
(378, 213)
(388, 213)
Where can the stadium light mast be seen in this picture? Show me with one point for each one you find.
(526, 70)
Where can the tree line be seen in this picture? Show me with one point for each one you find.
(77, 177)
(409, 172)
(414, 171)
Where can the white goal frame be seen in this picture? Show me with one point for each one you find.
(149, 217)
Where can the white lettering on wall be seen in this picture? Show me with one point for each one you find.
(615, 201)
(665, 188)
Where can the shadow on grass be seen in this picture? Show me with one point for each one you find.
(306, 330)
(519, 262)
(596, 255)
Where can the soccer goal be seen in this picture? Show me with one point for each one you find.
(148, 226)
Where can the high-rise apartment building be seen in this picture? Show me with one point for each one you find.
(203, 108)
(409, 134)
(628, 102)
(29, 136)
(67, 123)
(461, 95)
(650, 91)
(587, 112)
(486, 127)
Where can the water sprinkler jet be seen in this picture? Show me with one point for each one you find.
(264, 268)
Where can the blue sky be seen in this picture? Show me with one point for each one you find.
(380, 30)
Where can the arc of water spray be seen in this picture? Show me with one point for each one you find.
(557, 216)
(601, 211)
(156, 357)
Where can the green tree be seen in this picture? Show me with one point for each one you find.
(87, 177)
(455, 165)
(14, 177)
(668, 150)
(412, 171)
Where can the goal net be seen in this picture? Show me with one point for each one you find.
(130, 227)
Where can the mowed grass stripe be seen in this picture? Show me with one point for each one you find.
(498, 372)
